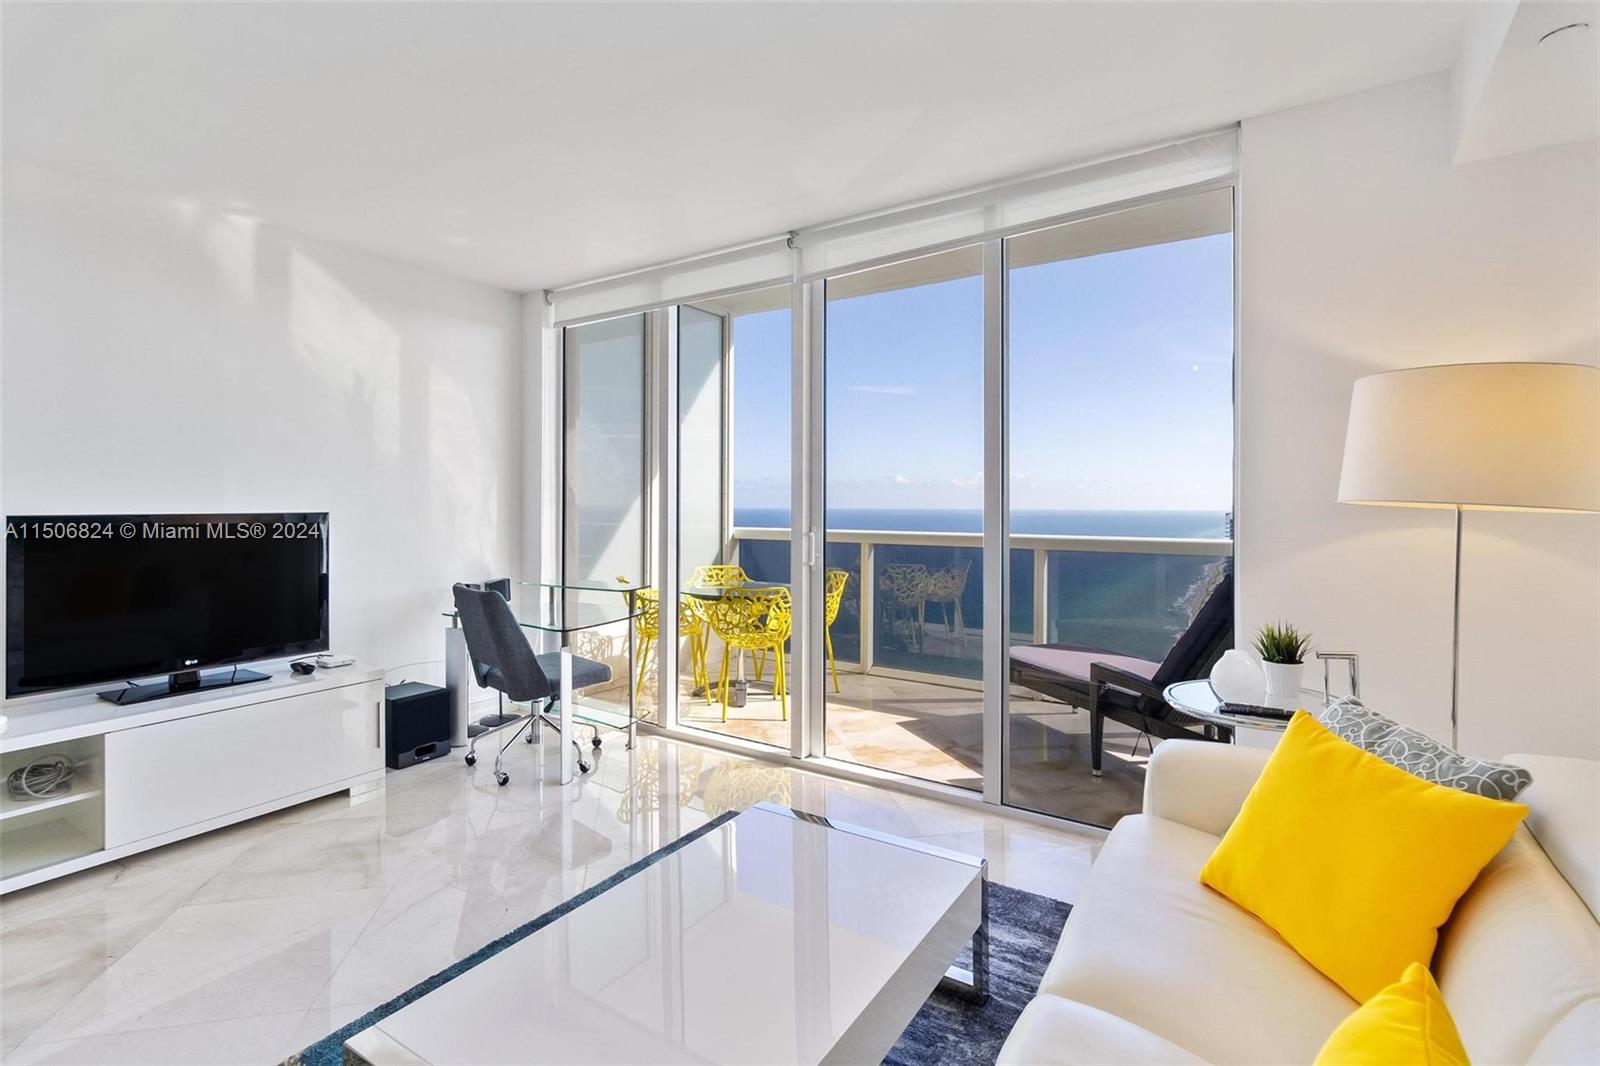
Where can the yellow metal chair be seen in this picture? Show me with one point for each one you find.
(833, 588)
(689, 624)
(753, 620)
(716, 576)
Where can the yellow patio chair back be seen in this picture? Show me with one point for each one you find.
(834, 584)
(718, 576)
(648, 620)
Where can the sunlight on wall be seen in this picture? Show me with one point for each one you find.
(230, 241)
(185, 208)
(470, 490)
(212, 361)
(346, 345)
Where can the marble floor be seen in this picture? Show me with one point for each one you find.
(248, 943)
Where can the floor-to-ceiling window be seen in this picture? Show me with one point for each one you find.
(605, 483)
(1120, 429)
(904, 516)
(606, 497)
(1113, 336)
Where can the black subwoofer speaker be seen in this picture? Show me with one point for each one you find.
(417, 723)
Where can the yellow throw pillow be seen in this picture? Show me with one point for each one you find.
(1404, 1025)
(1354, 862)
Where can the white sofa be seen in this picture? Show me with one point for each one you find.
(1153, 967)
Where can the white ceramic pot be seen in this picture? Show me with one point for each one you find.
(1237, 678)
(1283, 684)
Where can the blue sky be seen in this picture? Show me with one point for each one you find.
(1121, 389)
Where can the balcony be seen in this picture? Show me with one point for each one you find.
(908, 652)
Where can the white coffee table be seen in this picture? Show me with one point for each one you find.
(776, 937)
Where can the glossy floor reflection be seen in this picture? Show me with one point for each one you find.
(248, 943)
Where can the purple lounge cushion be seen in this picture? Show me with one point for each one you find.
(1073, 660)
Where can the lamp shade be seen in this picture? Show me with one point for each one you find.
(1487, 436)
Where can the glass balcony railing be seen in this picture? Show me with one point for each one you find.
(921, 611)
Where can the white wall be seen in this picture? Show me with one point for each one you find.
(1362, 248)
(162, 355)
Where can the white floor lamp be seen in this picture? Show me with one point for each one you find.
(1475, 437)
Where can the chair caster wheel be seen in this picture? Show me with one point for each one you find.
(596, 743)
(471, 759)
(502, 777)
(583, 767)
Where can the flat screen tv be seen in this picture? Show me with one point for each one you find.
(97, 598)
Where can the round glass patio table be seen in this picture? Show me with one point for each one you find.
(714, 592)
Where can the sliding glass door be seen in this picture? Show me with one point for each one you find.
(1120, 439)
(730, 415)
(903, 588)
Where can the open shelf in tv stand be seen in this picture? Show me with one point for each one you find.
(162, 770)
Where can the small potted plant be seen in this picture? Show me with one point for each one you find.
(1283, 650)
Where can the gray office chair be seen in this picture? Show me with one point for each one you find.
(491, 722)
(502, 659)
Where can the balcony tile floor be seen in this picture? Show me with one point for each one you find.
(248, 943)
(933, 732)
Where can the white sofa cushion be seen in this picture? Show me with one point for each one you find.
(1520, 954)
(1152, 945)
(1201, 785)
(1564, 817)
(1063, 1032)
(1575, 1039)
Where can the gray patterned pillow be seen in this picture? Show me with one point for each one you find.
(1419, 754)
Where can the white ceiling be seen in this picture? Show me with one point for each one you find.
(533, 145)
(1530, 78)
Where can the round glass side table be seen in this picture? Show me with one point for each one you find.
(1198, 700)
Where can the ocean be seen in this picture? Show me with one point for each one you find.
(1079, 523)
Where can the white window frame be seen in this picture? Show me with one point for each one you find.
(807, 742)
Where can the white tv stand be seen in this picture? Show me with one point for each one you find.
(152, 773)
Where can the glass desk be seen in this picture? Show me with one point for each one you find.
(551, 612)
(716, 592)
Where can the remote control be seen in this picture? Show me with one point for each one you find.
(1250, 710)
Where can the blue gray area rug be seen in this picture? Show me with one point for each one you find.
(1023, 929)
(951, 1031)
